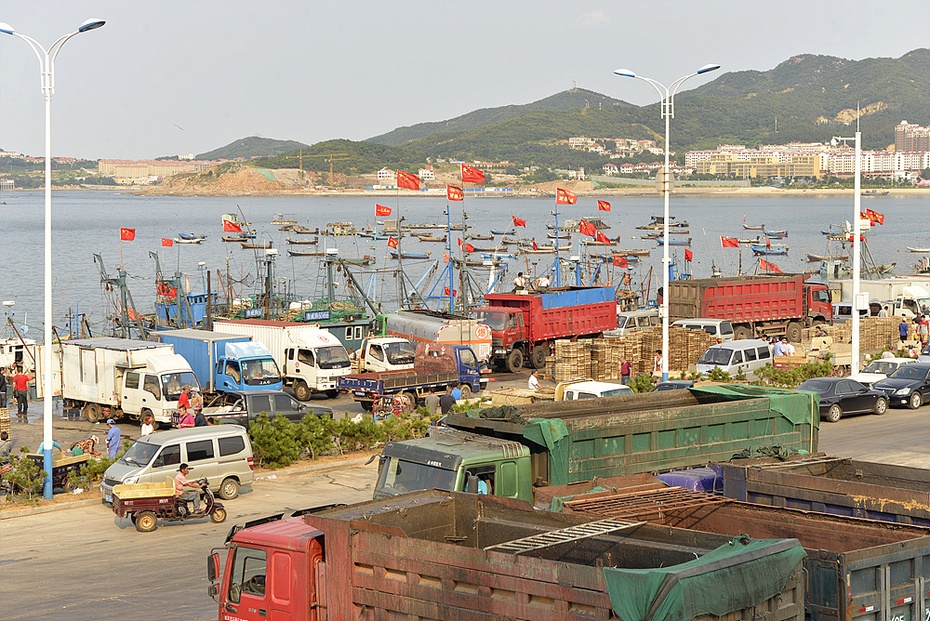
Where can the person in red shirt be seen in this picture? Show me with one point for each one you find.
(185, 398)
(21, 391)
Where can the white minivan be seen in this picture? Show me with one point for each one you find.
(627, 321)
(221, 453)
(720, 328)
(748, 355)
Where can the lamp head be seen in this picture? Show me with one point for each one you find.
(5, 28)
(707, 69)
(834, 141)
(91, 24)
(625, 73)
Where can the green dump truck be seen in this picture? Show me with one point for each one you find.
(510, 451)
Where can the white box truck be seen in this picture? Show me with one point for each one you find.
(906, 296)
(311, 359)
(130, 377)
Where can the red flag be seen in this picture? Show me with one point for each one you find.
(127, 234)
(769, 266)
(564, 197)
(167, 241)
(392, 242)
(603, 238)
(408, 181)
(466, 247)
(231, 227)
(729, 242)
(586, 228)
(621, 262)
(381, 210)
(472, 175)
(874, 216)
(445, 257)
(768, 242)
(165, 290)
(535, 247)
(445, 291)
(518, 221)
(454, 193)
(688, 255)
(603, 206)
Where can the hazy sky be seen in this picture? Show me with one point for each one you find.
(187, 76)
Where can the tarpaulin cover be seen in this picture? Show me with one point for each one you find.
(797, 406)
(733, 577)
(551, 433)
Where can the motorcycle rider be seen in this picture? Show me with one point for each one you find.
(180, 482)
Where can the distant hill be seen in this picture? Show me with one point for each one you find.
(250, 147)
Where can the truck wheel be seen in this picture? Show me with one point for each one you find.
(515, 361)
(91, 412)
(229, 489)
(302, 391)
(146, 522)
(466, 391)
(834, 413)
(218, 515)
(538, 357)
(794, 332)
(332, 394)
(408, 400)
(366, 405)
(741, 333)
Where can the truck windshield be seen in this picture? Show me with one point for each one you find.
(400, 352)
(140, 454)
(716, 355)
(398, 476)
(495, 320)
(260, 372)
(172, 383)
(333, 357)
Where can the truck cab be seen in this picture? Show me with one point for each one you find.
(315, 363)
(156, 387)
(387, 354)
(247, 366)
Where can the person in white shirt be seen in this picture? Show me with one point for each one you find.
(533, 383)
(519, 283)
(883, 312)
(148, 425)
(657, 363)
(789, 348)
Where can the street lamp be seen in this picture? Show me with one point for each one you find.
(47, 59)
(667, 96)
(857, 250)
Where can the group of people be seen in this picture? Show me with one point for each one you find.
(781, 347)
(520, 283)
(190, 409)
(918, 331)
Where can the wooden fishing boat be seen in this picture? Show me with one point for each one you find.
(235, 219)
(771, 249)
(817, 258)
(363, 260)
(429, 237)
(306, 253)
(658, 224)
(341, 228)
(756, 240)
(674, 242)
(543, 249)
(747, 227)
(373, 235)
(238, 238)
(281, 219)
(559, 235)
(303, 242)
(300, 229)
(919, 250)
(509, 240)
(776, 234)
(260, 245)
(410, 255)
(479, 237)
(503, 232)
(631, 252)
(189, 238)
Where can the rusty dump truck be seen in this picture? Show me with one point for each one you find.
(447, 556)
(857, 570)
(515, 450)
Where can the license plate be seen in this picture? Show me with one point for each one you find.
(109, 497)
(359, 394)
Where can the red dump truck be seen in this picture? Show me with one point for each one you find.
(445, 556)
(767, 305)
(524, 326)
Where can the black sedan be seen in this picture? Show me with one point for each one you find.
(840, 395)
(909, 385)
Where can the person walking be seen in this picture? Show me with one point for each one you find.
(903, 330)
(657, 363)
(923, 329)
(113, 438)
(446, 401)
(3, 387)
(21, 391)
(626, 369)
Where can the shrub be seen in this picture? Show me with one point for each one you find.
(642, 382)
(24, 477)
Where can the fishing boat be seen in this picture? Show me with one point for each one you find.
(189, 238)
(429, 237)
(300, 229)
(303, 242)
(543, 249)
(875, 193)
(235, 219)
(674, 242)
(658, 223)
(281, 219)
(410, 255)
(341, 229)
(503, 232)
(594, 242)
(241, 237)
(509, 240)
(747, 227)
(479, 237)
(769, 249)
(755, 240)
(632, 252)
(373, 235)
(816, 258)
(776, 234)
(260, 245)
(305, 253)
(919, 250)
(559, 235)
(363, 260)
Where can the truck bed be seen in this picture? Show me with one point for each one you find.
(394, 381)
(742, 299)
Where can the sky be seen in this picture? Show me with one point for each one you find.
(189, 76)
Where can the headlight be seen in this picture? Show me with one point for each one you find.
(130, 480)
(902, 391)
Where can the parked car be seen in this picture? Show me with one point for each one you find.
(673, 385)
(841, 395)
(909, 385)
(842, 311)
(248, 406)
(880, 369)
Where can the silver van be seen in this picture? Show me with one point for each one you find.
(221, 453)
(627, 321)
(748, 355)
(720, 328)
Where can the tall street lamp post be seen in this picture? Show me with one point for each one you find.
(47, 59)
(857, 304)
(667, 96)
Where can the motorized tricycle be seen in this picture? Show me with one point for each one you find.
(146, 503)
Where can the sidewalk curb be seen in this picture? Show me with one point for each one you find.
(15, 513)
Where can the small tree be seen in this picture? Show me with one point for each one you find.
(25, 476)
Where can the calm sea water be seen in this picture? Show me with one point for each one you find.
(85, 223)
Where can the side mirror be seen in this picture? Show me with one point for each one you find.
(471, 484)
(213, 568)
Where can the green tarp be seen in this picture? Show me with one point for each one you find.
(733, 577)
(796, 406)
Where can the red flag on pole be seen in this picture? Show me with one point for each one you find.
(127, 234)
(564, 197)
(167, 242)
(392, 242)
(874, 216)
(454, 193)
(603, 206)
(769, 266)
(472, 175)
(586, 228)
(729, 242)
(603, 238)
(231, 227)
(621, 262)
(535, 246)
(518, 221)
(381, 210)
(466, 247)
(407, 181)
(688, 255)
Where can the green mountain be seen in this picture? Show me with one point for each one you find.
(250, 147)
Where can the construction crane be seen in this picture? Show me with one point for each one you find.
(329, 157)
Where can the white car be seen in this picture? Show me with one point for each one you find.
(880, 369)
